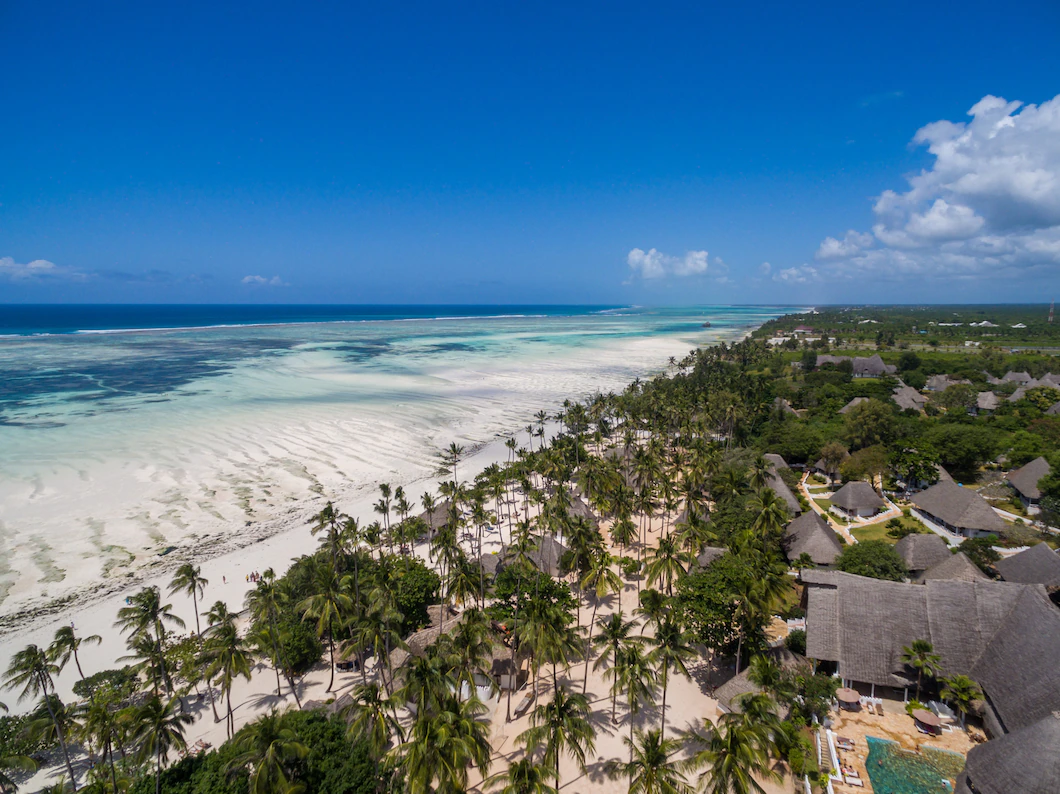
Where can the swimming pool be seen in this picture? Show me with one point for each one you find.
(894, 770)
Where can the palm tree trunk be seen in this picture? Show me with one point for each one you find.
(665, 682)
(110, 758)
(158, 771)
(195, 606)
(331, 645)
(231, 726)
(77, 661)
(589, 645)
(59, 733)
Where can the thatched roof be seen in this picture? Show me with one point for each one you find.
(782, 405)
(829, 469)
(579, 508)
(1025, 478)
(810, 534)
(986, 401)
(709, 554)
(783, 492)
(906, 397)
(438, 517)
(957, 567)
(491, 563)
(857, 495)
(777, 461)
(1024, 761)
(959, 507)
(856, 401)
(1016, 377)
(728, 694)
(1054, 409)
(942, 382)
(920, 552)
(872, 367)
(996, 633)
(417, 642)
(1037, 565)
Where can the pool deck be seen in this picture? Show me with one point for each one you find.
(895, 725)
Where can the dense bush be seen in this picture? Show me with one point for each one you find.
(872, 558)
(121, 682)
(300, 648)
(796, 641)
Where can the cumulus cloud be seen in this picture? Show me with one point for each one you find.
(38, 269)
(262, 281)
(655, 264)
(796, 275)
(765, 268)
(989, 205)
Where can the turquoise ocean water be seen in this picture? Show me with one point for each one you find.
(124, 430)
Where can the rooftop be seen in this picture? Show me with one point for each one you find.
(1037, 565)
(1025, 479)
(857, 495)
(959, 507)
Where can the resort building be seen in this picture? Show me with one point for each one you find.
(810, 534)
(957, 568)
(986, 402)
(1037, 565)
(1004, 636)
(942, 382)
(857, 499)
(909, 399)
(872, 367)
(1024, 761)
(1025, 480)
(778, 486)
(921, 552)
(957, 510)
(850, 405)
(829, 470)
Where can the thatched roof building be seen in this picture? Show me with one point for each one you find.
(920, 552)
(1025, 479)
(709, 554)
(986, 401)
(1054, 409)
(830, 469)
(995, 632)
(579, 508)
(728, 694)
(942, 382)
(908, 398)
(850, 405)
(777, 461)
(438, 517)
(783, 492)
(857, 498)
(783, 406)
(810, 534)
(958, 568)
(1025, 761)
(960, 510)
(1016, 377)
(872, 367)
(1037, 565)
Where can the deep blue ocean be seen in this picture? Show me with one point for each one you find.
(24, 320)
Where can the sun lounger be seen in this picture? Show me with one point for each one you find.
(846, 770)
(853, 781)
(524, 704)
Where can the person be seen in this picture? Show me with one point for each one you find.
(224, 579)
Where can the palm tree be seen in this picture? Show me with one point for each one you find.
(21, 763)
(265, 603)
(667, 562)
(329, 605)
(226, 659)
(369, 718)
(159, 730)
(99, 724)
(444, 746)
(146, 615)
(921, 657)
(64, 647)
(32, 671)
(269, 750)
(671, 651)
(601, 580)
(652, 768)
(960, 690)
(562, 726)
(613, 638)
(730, 755)
(522, 777)
(187, 579)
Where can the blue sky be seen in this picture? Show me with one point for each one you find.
(502, 152)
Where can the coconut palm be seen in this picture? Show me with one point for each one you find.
(960, 690)
(146, 615)
(561, 726)
(328, 521)
(667, 563)
(329, 605)
(771, 514)
(921, 657)
(270, 752)
(265, 603)
(19, 763)
(188, 579)
(729, 756)
(99, 725)
(226, 659)
(613, 638)
(160, 730)
(522, 777)
(601, 580)
(369, 717)
(33, 672)
(444, 746)
(65, 646)
(671, 652)
(652, 768)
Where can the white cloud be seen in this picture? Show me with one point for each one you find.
(36, 270)
(262, 281)
(989, 204)
(655, 264)
(852, 243)
(796, 275)
(765, 268)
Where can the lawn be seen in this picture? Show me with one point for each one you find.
(878, 531)
(824, 504)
